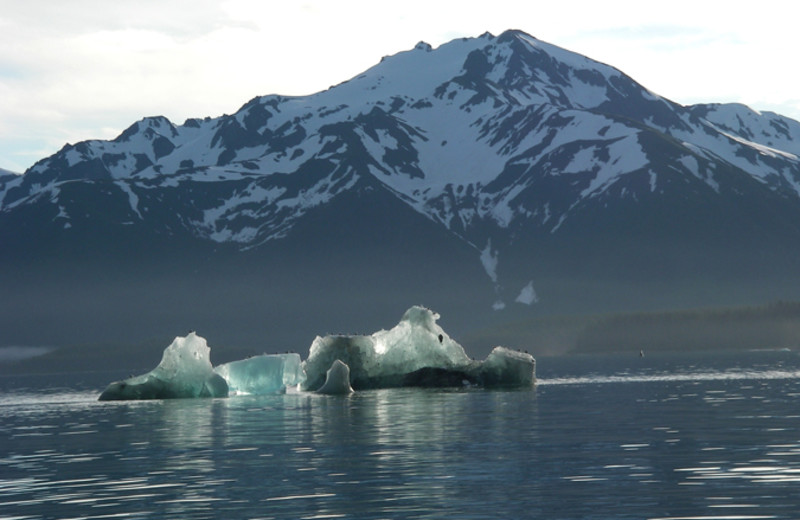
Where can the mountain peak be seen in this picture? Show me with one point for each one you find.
(534, 174)
(423, 46)
(511, 34)
(156, 124)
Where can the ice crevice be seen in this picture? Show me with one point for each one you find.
(416, 352)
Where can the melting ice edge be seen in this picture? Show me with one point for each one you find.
(415, 353)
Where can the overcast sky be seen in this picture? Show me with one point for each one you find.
(86, 69)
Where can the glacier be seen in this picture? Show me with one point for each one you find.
(416, 352)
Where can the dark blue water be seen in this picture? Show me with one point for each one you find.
(685, 437)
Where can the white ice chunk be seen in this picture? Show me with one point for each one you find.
(505, 367)
(527, 295)
(489, 260)
(185, 371)
(264, 374)
(186, 360)
(337, 380)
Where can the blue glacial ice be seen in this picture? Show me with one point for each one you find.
(264, 374)
(416, 352)
(185, 371)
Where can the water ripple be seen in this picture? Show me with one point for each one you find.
(726, 375)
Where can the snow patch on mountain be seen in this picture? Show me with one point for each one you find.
(133, 199)
(430, 69)
(740, 147)
(765, 128)
(622, 156)
(527, 295)
(561, 220)
(489, 258)
(453, 151)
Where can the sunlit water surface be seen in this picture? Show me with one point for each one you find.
(684, 437)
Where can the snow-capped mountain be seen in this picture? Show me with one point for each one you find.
(492, 172)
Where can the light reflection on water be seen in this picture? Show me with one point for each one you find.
(599, 438)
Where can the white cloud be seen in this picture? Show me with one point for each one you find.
(89, 68)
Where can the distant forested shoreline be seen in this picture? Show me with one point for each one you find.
(774, 325)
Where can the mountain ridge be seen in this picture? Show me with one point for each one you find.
(542, 163)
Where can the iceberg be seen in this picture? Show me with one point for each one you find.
(416, 352)
(264, 374)
(507, 368)
(185, 371)
(337, 380)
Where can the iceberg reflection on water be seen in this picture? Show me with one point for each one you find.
(416, 352)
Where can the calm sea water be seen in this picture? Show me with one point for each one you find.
(607, 437)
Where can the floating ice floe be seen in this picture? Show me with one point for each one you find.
(416, 352)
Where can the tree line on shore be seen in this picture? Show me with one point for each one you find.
(776, 325)
(773, 325)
